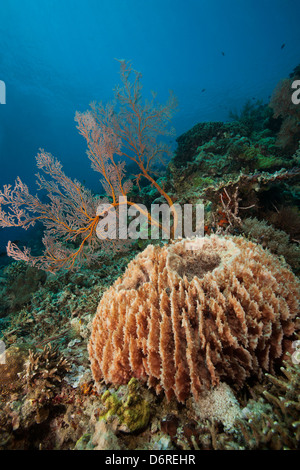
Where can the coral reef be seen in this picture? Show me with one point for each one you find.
(277, 241)
(15, 357)
(272, 421)
(29, 384)
(20, 282)
(213, 158)
(76, 413)
(198, 338)
(218, 404)
(287, 112)
(57, 313)
(185, 316)
(129, 128)
(43, 373)
(255, 195)
(132, 411)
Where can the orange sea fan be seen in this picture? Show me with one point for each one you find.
(186, 316)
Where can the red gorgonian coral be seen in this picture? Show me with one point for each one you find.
(126, 129)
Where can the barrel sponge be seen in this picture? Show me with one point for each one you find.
(189, 315)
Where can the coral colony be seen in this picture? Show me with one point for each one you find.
(125, 130)
(163, 313)
(183, 320)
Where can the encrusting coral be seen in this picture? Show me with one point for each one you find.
(188, 315)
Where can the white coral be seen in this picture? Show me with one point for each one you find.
(218, 404)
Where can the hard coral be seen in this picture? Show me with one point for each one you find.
(186, 316)
(277, 241)
(43, 374)
(273, 422)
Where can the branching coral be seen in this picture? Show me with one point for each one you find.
(185, 316)
(43, 373)
(127, 129)
(273, 422)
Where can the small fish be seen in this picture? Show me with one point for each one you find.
(223, 53)
(203, 89)
(282, 46)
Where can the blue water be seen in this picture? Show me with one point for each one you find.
(58, 55)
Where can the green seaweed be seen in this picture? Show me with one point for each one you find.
(265, 162)
(132, 410)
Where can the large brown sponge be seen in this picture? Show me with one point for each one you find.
(186, 316)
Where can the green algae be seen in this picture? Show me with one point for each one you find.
(132, 410)
(84, 442)
(265, 162)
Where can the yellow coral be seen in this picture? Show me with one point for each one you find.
(133, 411)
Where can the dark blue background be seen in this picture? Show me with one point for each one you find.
(56, 56)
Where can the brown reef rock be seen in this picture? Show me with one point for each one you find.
(190, 314)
